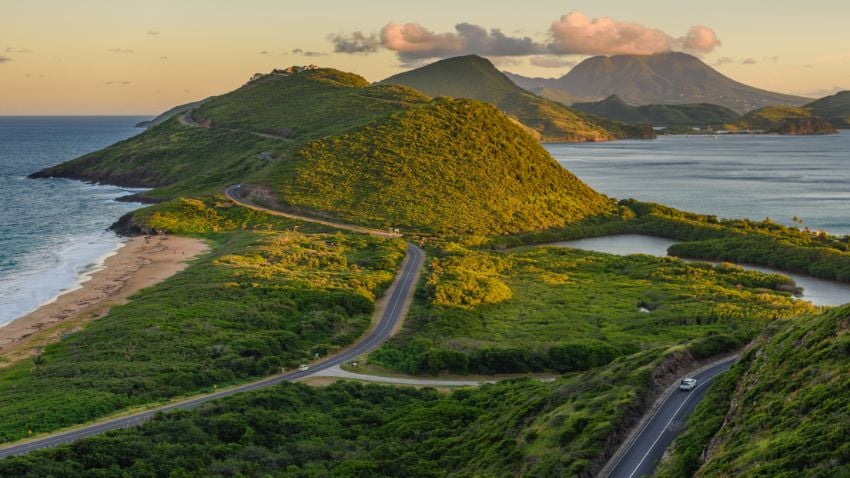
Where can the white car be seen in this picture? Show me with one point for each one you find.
(303, 368)
(688, 384)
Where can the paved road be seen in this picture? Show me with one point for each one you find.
(649, 445)
(232, 190)
(393, 314)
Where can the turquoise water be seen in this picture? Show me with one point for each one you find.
(731, 176)
(53, 231)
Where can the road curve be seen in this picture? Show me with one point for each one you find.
(392, 315)
(231, 193)
(649, 445)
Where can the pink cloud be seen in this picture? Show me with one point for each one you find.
(577, 34)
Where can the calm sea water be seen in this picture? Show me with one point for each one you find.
(732, 176)
(52, 232)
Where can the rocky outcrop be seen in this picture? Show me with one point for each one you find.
(810, 125)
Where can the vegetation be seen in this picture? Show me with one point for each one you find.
(476, 78)
(446, 166)
(332, 145)
(520, 427)
(709, 237)
(162, 118)
(835, 108)
(790, 413)
(259, 302)
(560, 309)
(698, 114)
(784, 120)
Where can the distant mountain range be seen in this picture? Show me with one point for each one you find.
(664, 78)
(699, 114)
(476, 78)
(783, 120)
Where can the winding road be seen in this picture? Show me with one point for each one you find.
(644, 449)
(637, 457)
(392, 315)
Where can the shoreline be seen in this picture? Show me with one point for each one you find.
(138, 263)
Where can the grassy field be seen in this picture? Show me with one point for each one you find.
(261, 300)
(543, 309)
(519, 427)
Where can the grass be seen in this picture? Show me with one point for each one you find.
(790, 412)
(260, 301)
(518, 427)
(558, 309)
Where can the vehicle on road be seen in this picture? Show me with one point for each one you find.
(303, 368)
(688, 384)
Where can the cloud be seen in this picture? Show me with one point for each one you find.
(163, 58)
(773, 58)
(119, 50)
(748, 61)
(356, 42)
(263, 52)
(577, 34)
(10, 49)
(4, 59)
(723, 60)
(152, 33)
(572, 34)
(117, 82)
(549, 61)
(299, 51)
(413, 42)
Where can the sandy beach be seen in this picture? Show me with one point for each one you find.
(140, 263)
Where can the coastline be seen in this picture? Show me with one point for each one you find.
(138, 263)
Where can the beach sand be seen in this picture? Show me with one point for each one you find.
(142, 262)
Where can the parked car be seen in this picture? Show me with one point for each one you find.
(303, 367)
(688, 384)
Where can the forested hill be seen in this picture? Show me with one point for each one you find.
(325, 142)
(476, 78)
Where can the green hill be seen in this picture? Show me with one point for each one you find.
(476, 78)
(835, 108)
(790, 411)
(697, 114)
(783, 120)
(333, 145)
(162, 118)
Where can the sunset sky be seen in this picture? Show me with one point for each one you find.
(123, 57)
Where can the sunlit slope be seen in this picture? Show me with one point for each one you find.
(325, 142)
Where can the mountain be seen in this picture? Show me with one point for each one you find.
(664, 78)
(700, 114)
(783, 120)
(171, 113)
(476, 78)
(835, 108)
(790, 411)
(326, 143)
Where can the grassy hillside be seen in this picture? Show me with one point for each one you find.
(333, 145)
(476, 78)
(790, 412)
(699, 114)
(162, 118)
(514, 428)
(835, 108)
(784, 120)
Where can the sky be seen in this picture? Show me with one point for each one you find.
(101, 57)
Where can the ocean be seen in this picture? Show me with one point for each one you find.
(53, 231)
(732, 176)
